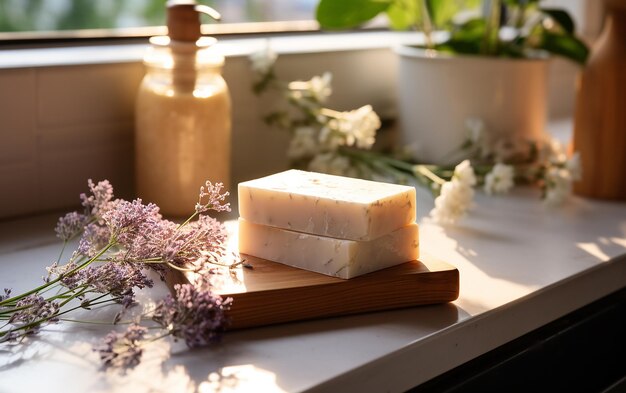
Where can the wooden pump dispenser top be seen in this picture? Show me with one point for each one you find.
(185, 39)
(183, 20)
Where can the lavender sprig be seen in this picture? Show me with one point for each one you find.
(119, 240)
(195, 315)
(122, 350)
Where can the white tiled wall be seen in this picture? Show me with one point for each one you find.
(62, 125)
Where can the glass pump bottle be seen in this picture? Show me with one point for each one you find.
(183, 115)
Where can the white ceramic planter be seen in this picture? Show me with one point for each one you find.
(437, 93)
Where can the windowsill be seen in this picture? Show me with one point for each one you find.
(521, 266)
(230, 47)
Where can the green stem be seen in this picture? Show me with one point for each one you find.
(149, 261)
(93, 322)
(492, 29)
(424, 170)
(42, 320)
(153, 339)
(180, 269)
(521, 15)
(82, 291)
(427, 24)
(62, 250)
(14, 299)
(187, 220)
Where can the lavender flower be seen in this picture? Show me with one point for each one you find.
(122, 350)
(7, 294)
(211, 194)
(32, 312)
(196, 243)
(128, 237)
(70, 225)
(8, 336)
(117, 279)
(100, 200)
(195, 315)
(126, 220)
(127, 301)
(95, 237)
(69, 280)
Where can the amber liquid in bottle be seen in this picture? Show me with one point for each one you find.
(183, 126)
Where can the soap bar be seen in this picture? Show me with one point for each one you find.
(327, 205)
(334, 257)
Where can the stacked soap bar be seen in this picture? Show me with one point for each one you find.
(334, 225)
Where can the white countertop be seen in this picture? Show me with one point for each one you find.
(521, 266)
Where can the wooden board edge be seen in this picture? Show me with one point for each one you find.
(287, 305)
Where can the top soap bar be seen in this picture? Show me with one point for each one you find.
(327, 205)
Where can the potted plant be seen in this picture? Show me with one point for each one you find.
(484, 60)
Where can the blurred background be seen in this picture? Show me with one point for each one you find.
(51, 15)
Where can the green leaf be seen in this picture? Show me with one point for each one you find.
(561, 17)
(519, 3)
(466, 38)
(473, 29)
(565, 45)
(403, 14)
(442, 11)
(345, 14)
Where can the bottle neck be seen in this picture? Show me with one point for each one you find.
(616, 22)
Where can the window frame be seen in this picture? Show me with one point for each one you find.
(35, 39)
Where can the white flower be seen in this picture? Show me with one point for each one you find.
(476, 128)
(477, 136)
(263, 60)
(320, 87)
(512, 148)
(302, 144)
(453, 202)
(500, 180)
(332, 164)
(365, 123)
(557, 153)
(551, 152)
(330, 139)
(574, 167)
(358, 127)
(456, 195)
(558, 185)
(465, 173)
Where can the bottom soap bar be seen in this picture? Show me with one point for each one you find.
(334, 257)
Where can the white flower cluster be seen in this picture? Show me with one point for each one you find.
(340, 143)
(456, 195)
(320, 142)
(319, 133)
(262, 61)
(543, 161)
(500, 179)
(310, 94)
(333, 164)
(559, 173)
(354, 128)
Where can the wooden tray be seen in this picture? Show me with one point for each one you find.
(272, 293)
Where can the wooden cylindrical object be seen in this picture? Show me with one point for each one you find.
(600, 118)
